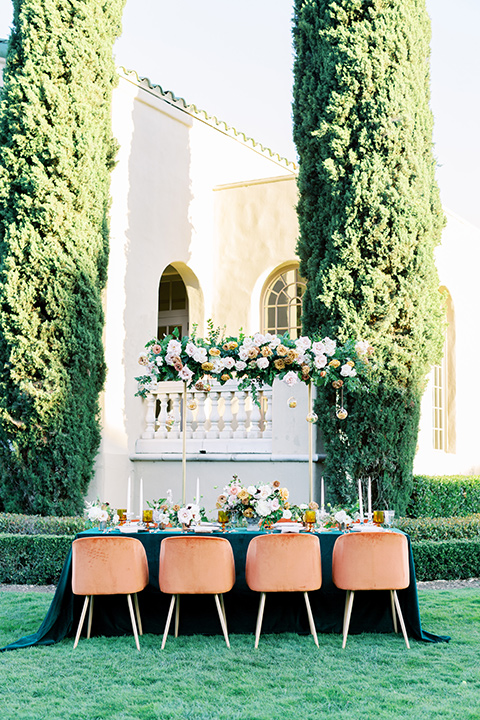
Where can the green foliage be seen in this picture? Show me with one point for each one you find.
(444, 496)
(56, 153)
(446, 559)
(33, 559)
(370, 218)
(454, 528)
(14, 524)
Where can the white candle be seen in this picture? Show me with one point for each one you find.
(360, 500)
(141, 498)
(129, 494)
(369, 498)
(322, 496)
(197, 498)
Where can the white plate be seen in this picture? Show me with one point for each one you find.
(367, 528)
(128, 528)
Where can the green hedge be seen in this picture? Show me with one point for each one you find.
(446, 559)
(444, 496)
(455, 528)
(33, 559)
(39, 525)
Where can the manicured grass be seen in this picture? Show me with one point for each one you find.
(197, 678)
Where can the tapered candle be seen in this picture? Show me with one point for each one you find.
(129, 494)
(369, 498)
(197, 498)
(141, 498)
(322, 496)
(360, 500)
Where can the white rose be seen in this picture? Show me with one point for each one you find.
(174, 347)
(263, 508)
(290, 378)
(361, 347)
(185, 374)
(251, 489)
(103, 516)
(303, 343)
(243, 353)
(240, 365)
(247, 342)
(200, 355)
(184, 516)
(330, 346)
(274, 504)
(264, 491)
(159, 360)
(287, 515)
(318, 348)
(190, 349)
(341, 516)
(320, 361)
(94, 513)
(262, 363)
(347, 371)
(275, 342)
(228, 363)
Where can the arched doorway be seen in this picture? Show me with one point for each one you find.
(172, 304)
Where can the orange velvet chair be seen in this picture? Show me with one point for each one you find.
(371, 561)
(196, 565)
(289, 562)
(109, 566)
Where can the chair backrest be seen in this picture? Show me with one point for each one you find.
(289, 562)
(371, 561)
(196, 565)
(108, 566)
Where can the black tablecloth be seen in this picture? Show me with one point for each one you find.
(284, 612)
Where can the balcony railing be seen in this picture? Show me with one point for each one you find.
(223, 420)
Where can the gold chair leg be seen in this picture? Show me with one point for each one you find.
(90, 616)
(223, 608)
(310, 619)
(394, 614)
(177, 616)
(137, 613)
(132, 618)
(347, 615)
(169, 620)
(222, 620)
(400, 617)
(82, 619)
(261, 608)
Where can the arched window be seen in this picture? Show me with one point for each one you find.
(282, 303)
(172, 303)
(444, 388)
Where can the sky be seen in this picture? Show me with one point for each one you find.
(234, 60)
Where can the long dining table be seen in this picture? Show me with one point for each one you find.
(284, 612)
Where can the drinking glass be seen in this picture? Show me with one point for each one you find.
(378, 517)
(388, 516)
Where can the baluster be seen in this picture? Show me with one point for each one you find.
(241, 431)
(227, 431)
(199, 432)
(267, 412)
(176, 414)
(162, 416)
(255, 420)
(149, 431)
(214, 416)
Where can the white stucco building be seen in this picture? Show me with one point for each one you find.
(203, 226)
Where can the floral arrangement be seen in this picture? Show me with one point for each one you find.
(267, 502)
(98, 512)
(175, 515)
(254, 360)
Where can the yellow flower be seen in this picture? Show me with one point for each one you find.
(225, 377)
(291, 356)
(265, 351)
(253, 352)
(276, 483)
(305, 370)
(248, 512)
(176, 508)
(279, 364)
(214, 351)
(334, 363)
(337, 384)
(242, 494)
(282, 350)
(285, 494)
(230, 345)
(207, 366)
(313, 505)
(350, 362)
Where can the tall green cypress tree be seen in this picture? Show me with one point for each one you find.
(56, 153)
(370, 218)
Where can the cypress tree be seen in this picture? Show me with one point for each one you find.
(56, 153)
(370, 218)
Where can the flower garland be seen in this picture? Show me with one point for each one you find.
(266, 502)
(255, 361)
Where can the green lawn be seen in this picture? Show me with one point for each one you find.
(197, 678)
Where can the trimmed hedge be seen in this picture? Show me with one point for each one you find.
(33, 559)
(39, 525)
(444, 496)
(456, 528)
(446, 559)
